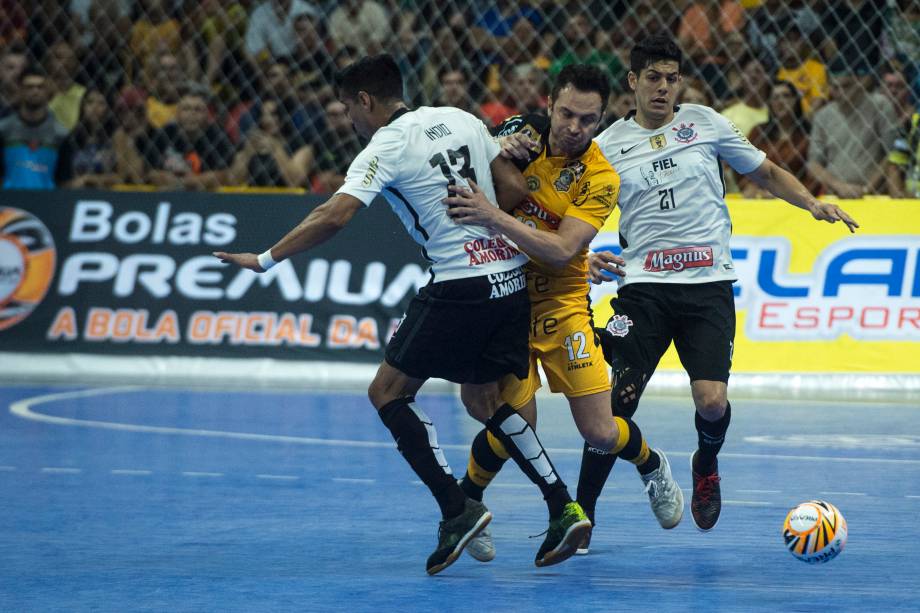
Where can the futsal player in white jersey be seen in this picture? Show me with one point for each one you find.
(674, 230)
(470, 324)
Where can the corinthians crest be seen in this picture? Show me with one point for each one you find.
(685, 133)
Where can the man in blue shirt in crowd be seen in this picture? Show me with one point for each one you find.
(31, 137)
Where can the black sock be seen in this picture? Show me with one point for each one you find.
(487, 456)
(417, 441)
(710, 437)
(595, 469)
(522, 444)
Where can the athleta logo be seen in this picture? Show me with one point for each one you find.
(678, 259)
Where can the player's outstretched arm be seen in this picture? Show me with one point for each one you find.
(320, 225)
(782, 184)
(552, 248)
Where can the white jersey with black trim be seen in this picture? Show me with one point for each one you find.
(411, 160)
(674, 224)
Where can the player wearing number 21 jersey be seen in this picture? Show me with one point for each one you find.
(674, 223)
(674, 231)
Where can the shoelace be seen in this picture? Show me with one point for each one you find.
(705, 486)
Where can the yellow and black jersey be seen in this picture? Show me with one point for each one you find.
(585, 188)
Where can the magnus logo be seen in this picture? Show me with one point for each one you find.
(678, 259)
(27, 257)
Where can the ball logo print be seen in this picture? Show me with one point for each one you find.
(815, 532)
(27, 259)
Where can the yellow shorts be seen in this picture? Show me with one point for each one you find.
(562, 338)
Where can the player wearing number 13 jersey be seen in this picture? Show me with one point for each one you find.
(674, 231)
(469, 324)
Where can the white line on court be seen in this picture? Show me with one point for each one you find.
(278, 477)
(57, 470)
(843, 493)
(23, 409)
(911, 496)
(349, 480)
(130, 471)
(191, 473)
(7, 469)
(747, 503)
(760, 491)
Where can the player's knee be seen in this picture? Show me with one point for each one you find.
(711, 407)
(479, 404)
(600, 435)
(381, 392)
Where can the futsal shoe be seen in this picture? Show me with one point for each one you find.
(664, 494)
(481, 546)
(564, 535)
(585, 545)
(455, 533)
(706, 502)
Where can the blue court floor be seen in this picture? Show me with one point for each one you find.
(131, 499)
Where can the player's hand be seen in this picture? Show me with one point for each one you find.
(603, 264)
(518, 146)
(470, 206)
(243, 260)
(831, 213)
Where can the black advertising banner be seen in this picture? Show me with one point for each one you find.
(121, 273)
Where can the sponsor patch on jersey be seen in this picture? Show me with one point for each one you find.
(485, 250)
(607, 197)
(685, 133)
(619, 325)
(507, 283)
(678, 259)
(582, 196)
(371, 172)
(533, 183)
(658, 142)
(532, 209)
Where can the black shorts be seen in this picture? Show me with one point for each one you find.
(471, 330)
(698, 317)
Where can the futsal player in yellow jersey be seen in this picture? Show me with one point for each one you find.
(573, 189)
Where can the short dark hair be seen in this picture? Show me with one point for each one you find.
(653, 49)
(377, 75)
(585, 78)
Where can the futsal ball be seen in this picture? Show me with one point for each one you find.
(815, 532)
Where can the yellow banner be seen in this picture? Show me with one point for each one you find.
(810, 296)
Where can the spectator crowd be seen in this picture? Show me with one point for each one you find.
(204, 94)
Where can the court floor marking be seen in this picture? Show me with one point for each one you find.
(23, 409)
(271, 477)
